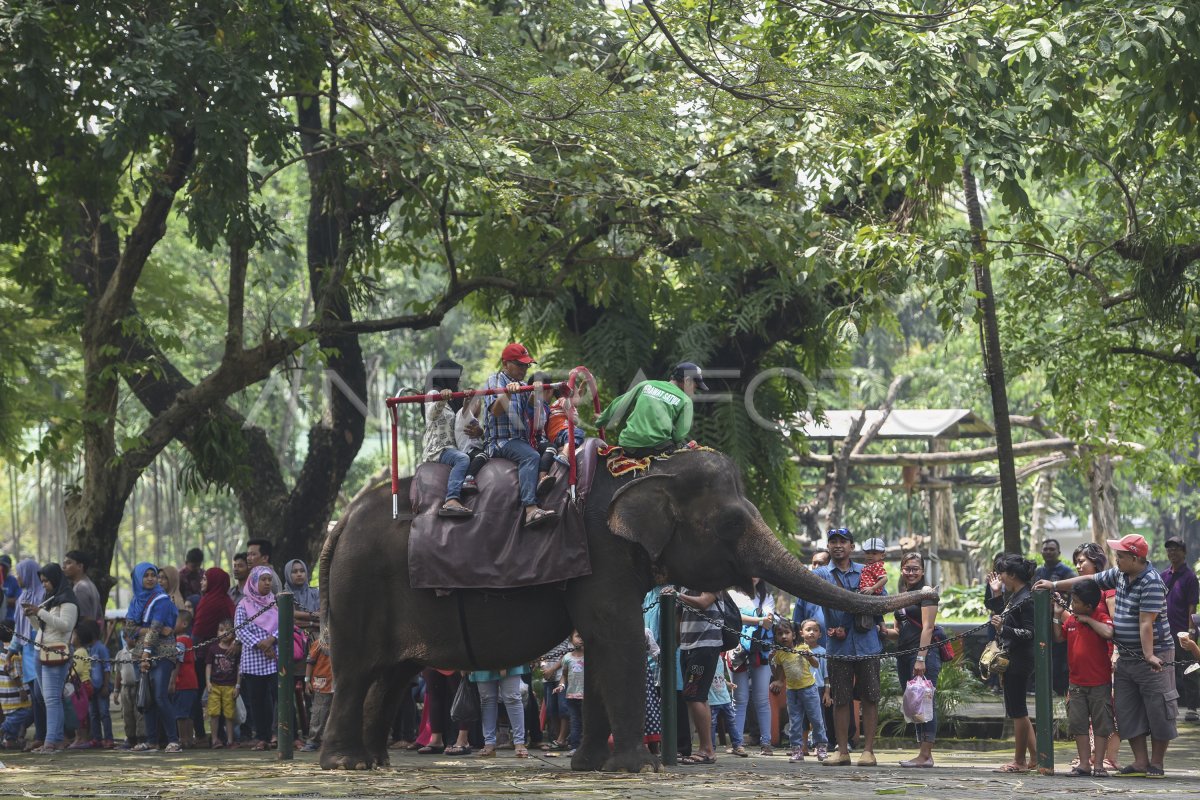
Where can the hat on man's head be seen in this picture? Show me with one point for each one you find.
(874, 544)
(842, 533)
(686, 369)
(1175, 541)
(517, 352)
(1130, 544)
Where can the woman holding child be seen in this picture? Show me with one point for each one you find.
(914, 628)
(259, 661)
(154, 615)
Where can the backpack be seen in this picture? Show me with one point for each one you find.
(731, 617)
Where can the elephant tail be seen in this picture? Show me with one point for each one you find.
(331, 541)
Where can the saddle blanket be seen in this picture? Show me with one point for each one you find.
(492, 549)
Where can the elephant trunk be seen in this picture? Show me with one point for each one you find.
(763, 556)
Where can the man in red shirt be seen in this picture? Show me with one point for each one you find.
(1087, 629)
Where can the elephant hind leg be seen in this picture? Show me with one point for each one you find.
(382, 704)
(342, 746)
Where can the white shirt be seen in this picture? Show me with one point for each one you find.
(461, 439)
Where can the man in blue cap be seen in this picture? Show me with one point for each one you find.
(659, 412)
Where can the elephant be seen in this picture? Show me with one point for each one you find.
(686, 521)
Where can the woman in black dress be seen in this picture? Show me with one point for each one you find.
(1013, 620)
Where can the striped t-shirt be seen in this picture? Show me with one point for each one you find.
(1144, 592)
(696, 626)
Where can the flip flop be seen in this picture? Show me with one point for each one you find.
(540, 517)
(1011, 769)
(546, 486)
(692, 761)
(458, 750)
(1079, 772)
(455, 512)
(431, 750)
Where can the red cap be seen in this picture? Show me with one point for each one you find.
(1130, 544)
(517, 352)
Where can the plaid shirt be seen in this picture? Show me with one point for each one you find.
(502, 428)
(1145, 592)
(253, 661)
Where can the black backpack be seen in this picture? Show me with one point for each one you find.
(731, 617)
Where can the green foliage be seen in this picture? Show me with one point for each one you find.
(962, 602)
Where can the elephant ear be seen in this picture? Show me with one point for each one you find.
(643, 511)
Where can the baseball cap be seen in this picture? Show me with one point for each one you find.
(1176, 541)
(517, 352)
(1130, 544)
(686, 369)
(874, 544)
(841, 533)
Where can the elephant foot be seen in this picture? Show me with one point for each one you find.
(590, 759)
(334, 759)
(638, 760)
(380, 759)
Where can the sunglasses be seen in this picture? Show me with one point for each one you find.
(845, 532)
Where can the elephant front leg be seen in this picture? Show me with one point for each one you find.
(614, 701)
(342, 746)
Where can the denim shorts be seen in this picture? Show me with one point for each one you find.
(556, 704)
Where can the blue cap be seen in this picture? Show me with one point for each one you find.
(687, 369)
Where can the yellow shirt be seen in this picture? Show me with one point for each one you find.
(83, 667)
(797, 672)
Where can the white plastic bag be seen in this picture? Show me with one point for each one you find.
(239, 711)
(918, 700)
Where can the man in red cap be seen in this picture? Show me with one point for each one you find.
(1146, 700)
(506, 432)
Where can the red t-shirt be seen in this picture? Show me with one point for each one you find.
(1089, 655)
(185, 673)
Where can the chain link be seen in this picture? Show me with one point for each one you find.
(194, 647)
(1125, 651)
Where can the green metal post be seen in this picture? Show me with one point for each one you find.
(287, 686)
(1043, 667)
(669, 638)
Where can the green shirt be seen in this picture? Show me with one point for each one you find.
(660, 413)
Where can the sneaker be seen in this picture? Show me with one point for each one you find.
(174, 747)
(795, 756)
(836, 760)
(311, 747)
(1191, 716)
(822, 752)
(469, 484)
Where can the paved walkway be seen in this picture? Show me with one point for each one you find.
(227, 775)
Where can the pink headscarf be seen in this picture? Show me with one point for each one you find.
(253, 602)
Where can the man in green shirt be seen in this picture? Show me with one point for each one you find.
(659, 412)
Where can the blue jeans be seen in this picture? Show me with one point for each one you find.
(51, 680)
(805, 705)
(458, 462)
(15, 723)
(163, 710)
(556, 705)
(926, 731)
(725, 710)
(526, 458)
(101, 722)
(560, 441)
(753, 685)
(575, 707)
(507, 690)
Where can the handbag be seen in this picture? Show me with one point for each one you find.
(53, 655)
(993, 660)
(465, 707)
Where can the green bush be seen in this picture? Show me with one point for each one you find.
(962, 602)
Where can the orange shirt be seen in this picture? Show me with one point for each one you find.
(556, 423)
(322, 674)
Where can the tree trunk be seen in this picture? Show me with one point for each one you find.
(1105, 519)
(839, 475)
(993, 364)
(943, 526)
(1043, 492)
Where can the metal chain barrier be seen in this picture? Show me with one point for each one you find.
(195, 646)
(829, 657)
(1124, 650)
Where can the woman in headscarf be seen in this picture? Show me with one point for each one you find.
(32, 593)
(153, 615)
(168, 579)
(259, 660)
(306, 599)
(214, 605)
(56, 617)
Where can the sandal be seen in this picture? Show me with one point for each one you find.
(546, 486)
(522, 751)
(217, 746)
(540, 516)
(174, 747)
(458, 750)
(1012, 769)
(260, 746)
(738, 751)
(456, 512)
(143, 747)
(432, 750)
(488, 751)
(1079, 772)
(1099, 772)
(692, 761)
